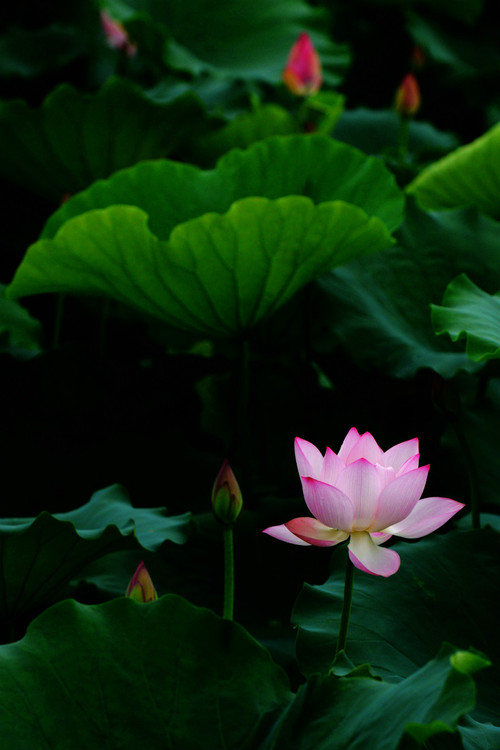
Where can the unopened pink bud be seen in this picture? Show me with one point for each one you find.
(407, 101)
(302, 73)
(116, 35)
(141, 588)
(226, 495)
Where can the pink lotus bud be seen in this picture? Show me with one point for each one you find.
(226, 495)
(116, 35)
(407, 101)
(141, 588)
(302, 73)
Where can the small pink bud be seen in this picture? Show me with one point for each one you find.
(141, 588)
(302, 73)
(407, 101)
(226, 495)
(116, 35)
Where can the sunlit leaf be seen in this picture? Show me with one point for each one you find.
(466, 177)
(315, 166)
(217, 275)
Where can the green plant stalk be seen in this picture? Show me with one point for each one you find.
(56, 338)
(346, 607)
(240, 436)
(228, 610)
(403, 138)
(471, 473)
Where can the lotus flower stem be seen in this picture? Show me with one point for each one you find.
(346, 607)
(56, 338)
(227, 613)
(471, 473)
(103, 326)
(239, 439)
(403, 138)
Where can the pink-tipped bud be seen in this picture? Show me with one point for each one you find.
(302, 73)
(407, 101)
(141, 588)
(226, 495)
(116, 35)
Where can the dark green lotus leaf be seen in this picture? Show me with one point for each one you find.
(442, 591)
(246, 128)
(466, 177)
(246, 39)
(217, 275)
(375, 131)
(478, 735)
(75, 138)
(356, 711)
(379, 306)
(315, 166)
(127, 675)
(38, 556)
(19, 332)
(26, 53)
(468, 312)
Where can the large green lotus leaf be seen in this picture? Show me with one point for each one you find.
(379, 306)
(246, 39)
(75, 138)
(355, 711)
(38, 556)
(467, 176)
(217, 275)
(443, 590)
(315, 166)
(127, 675)
(468, 312)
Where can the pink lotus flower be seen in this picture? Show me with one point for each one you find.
(302, 73)
(365, 495)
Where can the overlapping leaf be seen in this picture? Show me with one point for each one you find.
(468, 312)
(315, 166)
(38, 556)
(379, 307)
(357, 711)
(124, 675)
(217, 275)
(442, 592)
(76, 138)
(466, 177)
(248, 39)
(18, 330)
